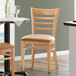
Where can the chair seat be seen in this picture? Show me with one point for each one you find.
(5, 46)
(39, 37)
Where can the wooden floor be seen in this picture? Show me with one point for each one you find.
(40, 68)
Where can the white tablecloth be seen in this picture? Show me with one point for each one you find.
(18, 21)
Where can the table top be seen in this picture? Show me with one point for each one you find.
(8, 20)
(69, 23)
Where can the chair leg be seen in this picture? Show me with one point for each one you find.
(55, 57)
(22, 56)
(12, 63)
(33, 52)
(48, 58)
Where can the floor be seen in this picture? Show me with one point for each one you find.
(40, 67)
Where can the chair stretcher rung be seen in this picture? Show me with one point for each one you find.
(5, 54)
(35, 47)
(35, 42)
(8, 58)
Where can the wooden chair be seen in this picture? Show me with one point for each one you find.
(42, 39)
(7, 49)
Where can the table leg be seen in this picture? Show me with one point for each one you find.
(7, 39)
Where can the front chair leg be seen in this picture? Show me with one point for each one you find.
(22, 56)
(12, 63)
(48, 58)
(33, 52)
(55, 56)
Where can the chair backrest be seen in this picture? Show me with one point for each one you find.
(43, 16)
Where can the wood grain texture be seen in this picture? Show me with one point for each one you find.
(12, 61)
(44, 18)
(43, 23)
(43, 28)
(33, 54)
(44, 11)
(22, 56)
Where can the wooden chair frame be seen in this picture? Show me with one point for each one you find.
(10, 54)
(34, 11)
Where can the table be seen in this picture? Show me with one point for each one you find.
(72, 47)
(7, 39)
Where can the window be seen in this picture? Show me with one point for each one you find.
(2, 14)
(12, 28)
(2, 33)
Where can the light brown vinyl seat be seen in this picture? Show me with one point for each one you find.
(39, 37)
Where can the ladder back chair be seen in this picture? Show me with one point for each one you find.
(7, 49)
(42, 39)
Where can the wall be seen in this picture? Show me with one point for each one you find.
(75, 9)
(66, 13)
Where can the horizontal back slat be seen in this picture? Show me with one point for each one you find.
(44, 11)
(43, 28)
(44, 18)
(43, 23)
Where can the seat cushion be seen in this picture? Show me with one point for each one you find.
(5, 46)
(38, 37)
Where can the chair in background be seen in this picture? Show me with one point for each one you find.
(42, 39)
(7, 49)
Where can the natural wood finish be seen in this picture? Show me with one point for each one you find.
(35, 47)
(5, 54)
(32, 21)
(5, 58)
(5, 46)
(55, 23)
(34, 42)
(33, 52)
(22, 56)
(12, 63)
(44, 11)
(55, 56)
(7, 49)
(47, 40)
(41, 23)
(48, 57)
(43, 28)
(43, 18)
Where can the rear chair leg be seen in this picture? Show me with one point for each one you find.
(55, 56)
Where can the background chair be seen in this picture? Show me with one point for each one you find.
(7, 49)
(47, 17)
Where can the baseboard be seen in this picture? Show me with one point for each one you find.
(41, 55)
